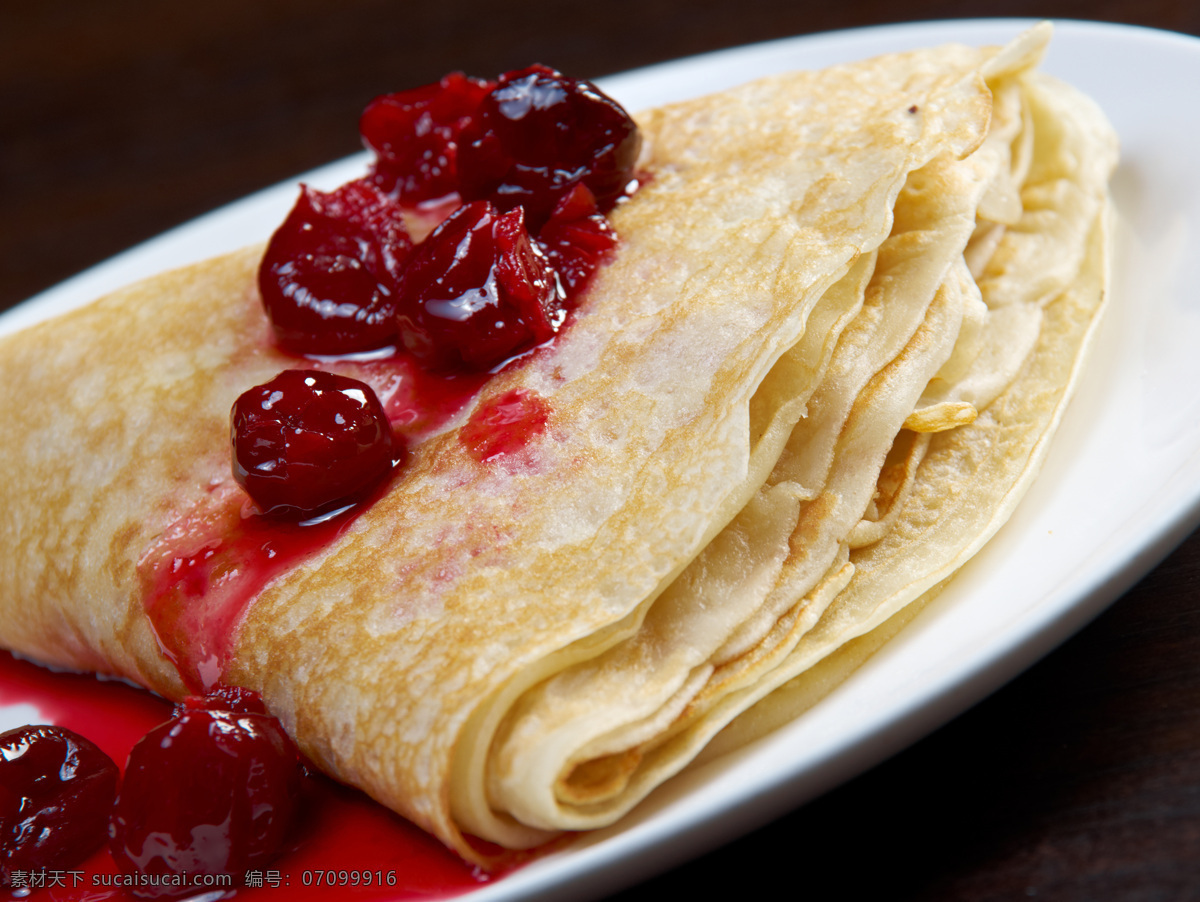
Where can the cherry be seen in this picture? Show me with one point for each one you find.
(234, 699)
(327, 278)
(476, 292)
(208, 792)
(537, 135)
(308, 442)
(414, 135)
(576, 239)
(56, 789)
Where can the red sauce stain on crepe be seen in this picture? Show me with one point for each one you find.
(505, 425)
(341, 832)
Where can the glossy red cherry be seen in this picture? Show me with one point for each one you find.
(56, 789)
(233, 699)
(308, 442)
(539, 133)
(576, 239)
(414, 135)
(207, 792)
(476, 292)
(327, 278)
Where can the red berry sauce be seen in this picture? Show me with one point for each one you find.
(576, 239)
(56, 789)
(505, 424)
(200, 576)
(417, 401)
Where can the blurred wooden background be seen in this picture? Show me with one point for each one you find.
(122, 118)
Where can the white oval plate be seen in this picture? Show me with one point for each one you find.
(1120, 489)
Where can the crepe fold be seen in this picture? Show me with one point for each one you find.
(844, 316)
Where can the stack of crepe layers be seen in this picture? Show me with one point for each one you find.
(887, 445)
(844, 318)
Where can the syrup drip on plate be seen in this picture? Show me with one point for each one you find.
(341, 834)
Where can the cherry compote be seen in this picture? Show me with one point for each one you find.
(414, 135)
(56, 790)
(533, 162)
(477, 291)
(328, 276)
(211, 791)
(537, 134)
(576, 239)
(549, 154)
(309, 442)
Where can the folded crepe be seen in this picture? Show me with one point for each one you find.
(844, 317)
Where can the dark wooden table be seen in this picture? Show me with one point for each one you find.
(1078, 781)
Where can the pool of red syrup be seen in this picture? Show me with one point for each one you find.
(341, 831)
